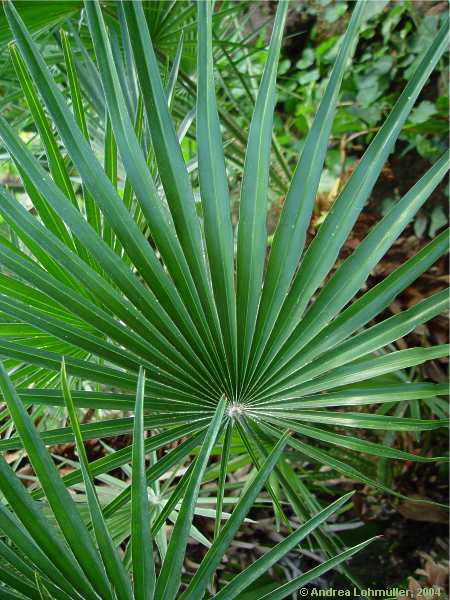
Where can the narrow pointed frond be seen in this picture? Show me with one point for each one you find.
(213, 557)
(115, 570)
(325, 247)
(141, 539)
(294, 221)
(252, 234)
(57, 495)
(214, 188)
(170, 576)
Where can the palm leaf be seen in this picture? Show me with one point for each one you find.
(119, 268)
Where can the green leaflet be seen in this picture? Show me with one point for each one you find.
(214, 189)
(92, 313)
(158, 469)
(56, 161)
(59, 499)
(288, 588)
(131, 286)
(110, 400)
(139, 174)
(199, 582)
(141, 539)
(170, 576)
(172, 170)
(323, 251)
(323, 457)
(105, 429)
(374, 301)
(352, 274)
(360, 396)
(98, 183)
(113, 565)
(297, 208)
(252, 235)
(92, 211)
(361, 370)
(370, 340)
(262, 565)
(354, 443)
(122, 457)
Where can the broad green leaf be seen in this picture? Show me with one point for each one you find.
(111, 274)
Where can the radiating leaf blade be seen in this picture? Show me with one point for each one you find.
(252, 234)
(58, 497)
(141, 538)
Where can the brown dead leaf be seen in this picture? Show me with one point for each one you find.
(436, 574)
(437, 9)
(414, 587)
(23, 472)
(429, 513)
(10, 457)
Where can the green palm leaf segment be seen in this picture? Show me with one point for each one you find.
(252, 235)
(156, 306)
